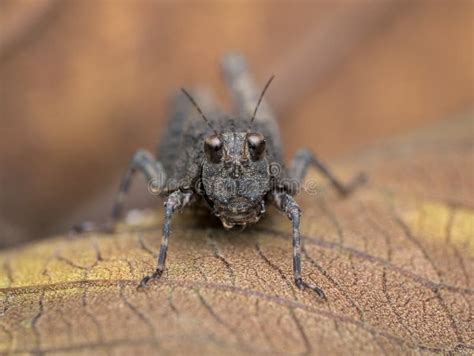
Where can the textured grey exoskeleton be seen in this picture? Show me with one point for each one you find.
(232, 162)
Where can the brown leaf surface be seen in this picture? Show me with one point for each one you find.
(395, 260)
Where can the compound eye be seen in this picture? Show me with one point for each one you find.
(213, 147)
(256, 143)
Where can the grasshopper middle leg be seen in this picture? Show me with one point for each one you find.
(144, 162)
(305, 158)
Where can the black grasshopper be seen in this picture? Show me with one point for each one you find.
(232, 162)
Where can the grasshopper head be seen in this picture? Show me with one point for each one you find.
(236, 176)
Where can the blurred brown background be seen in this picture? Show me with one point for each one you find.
(85, 83)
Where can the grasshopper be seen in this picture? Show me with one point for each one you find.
(233, 163)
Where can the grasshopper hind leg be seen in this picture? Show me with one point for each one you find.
(244, 90)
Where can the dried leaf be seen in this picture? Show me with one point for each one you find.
(395, 260)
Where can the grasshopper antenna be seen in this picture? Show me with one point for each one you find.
(260, 99)
(191, 99)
